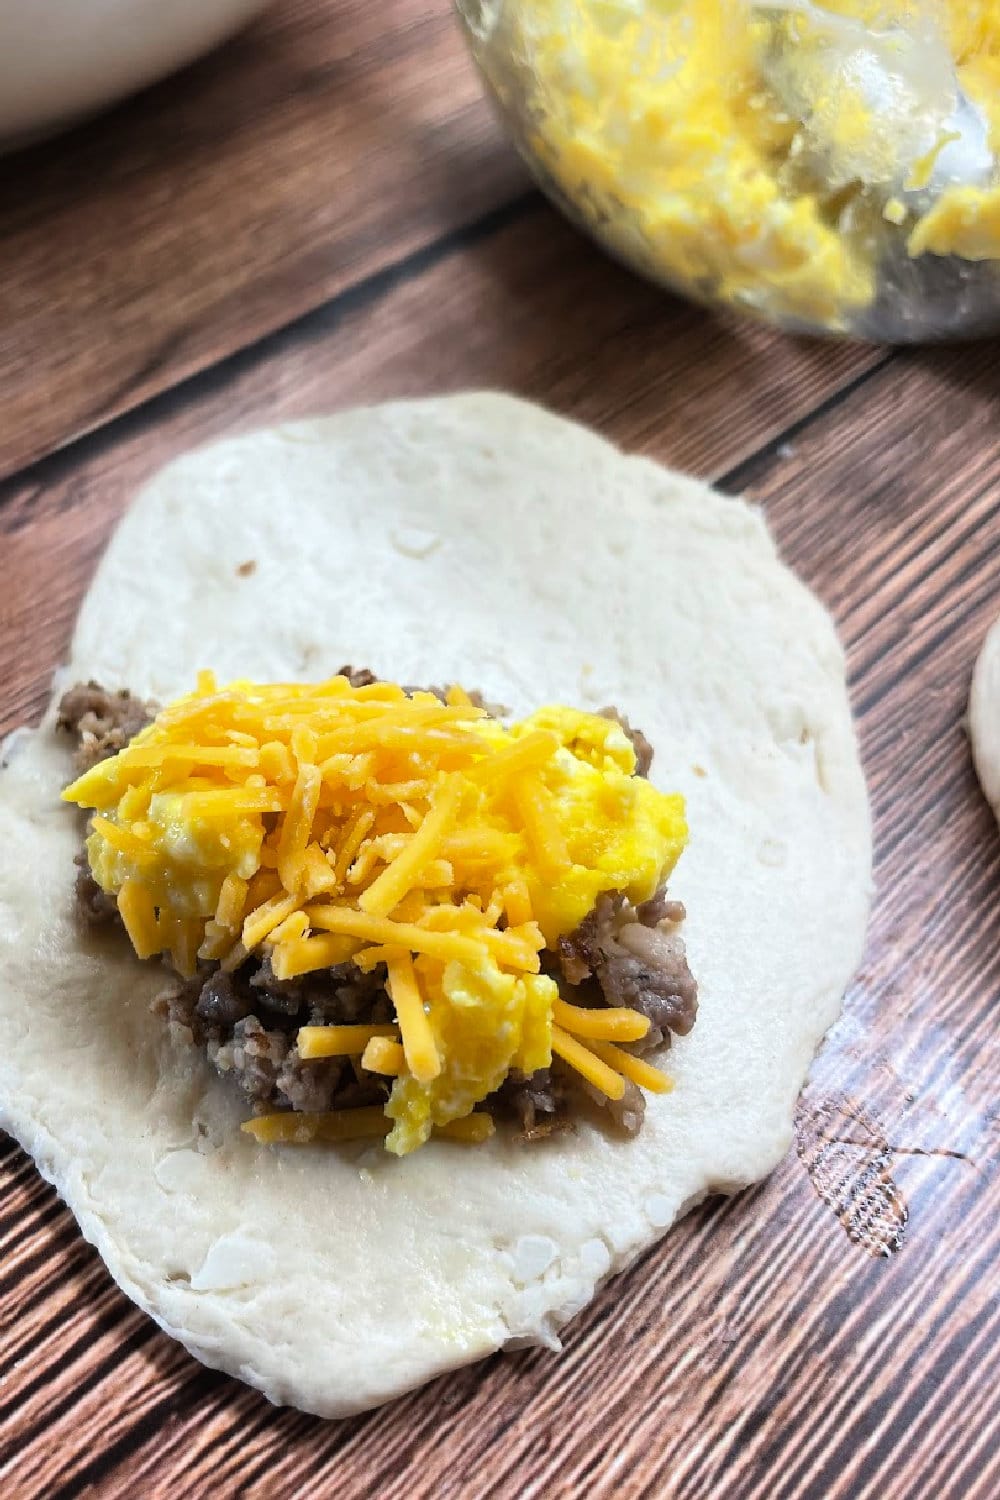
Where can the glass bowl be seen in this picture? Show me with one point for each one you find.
(830, 168)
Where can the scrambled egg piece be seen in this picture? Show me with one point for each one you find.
(620, 832)
(484, 1022)
(317, 825)
(742, 151)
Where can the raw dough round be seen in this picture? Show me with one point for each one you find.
(984, 716)
(473, 539)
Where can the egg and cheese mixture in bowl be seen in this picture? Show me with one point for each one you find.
(828, 166)
(391, 912)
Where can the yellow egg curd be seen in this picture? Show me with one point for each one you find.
(326, 824)
(761, 154)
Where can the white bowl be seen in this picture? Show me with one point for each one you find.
(60, 59)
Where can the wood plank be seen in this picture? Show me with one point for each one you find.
(523, 303)
(330, 140)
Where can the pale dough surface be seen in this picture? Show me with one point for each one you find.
(984, 716)
(480, 540)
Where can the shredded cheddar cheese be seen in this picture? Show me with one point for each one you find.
(354, 1125)
(382, 1055)
(608, 1023)
(587, 1063)
(319, 825)
(339, 1041)
(634, 1068)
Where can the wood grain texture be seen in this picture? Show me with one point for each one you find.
(520, 302)
(762, 1350)
(308, 152)
(833, 1332)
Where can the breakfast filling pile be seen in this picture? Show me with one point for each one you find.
(387, 911)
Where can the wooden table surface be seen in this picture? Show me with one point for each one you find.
(324, 213)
